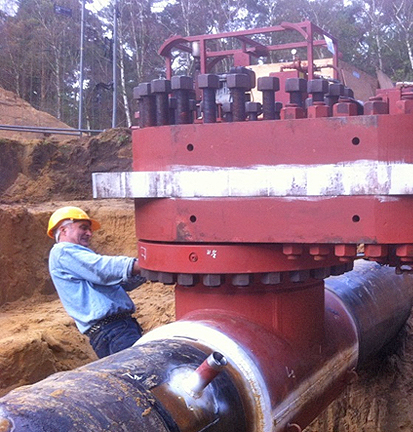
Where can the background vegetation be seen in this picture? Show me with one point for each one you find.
(39, 45)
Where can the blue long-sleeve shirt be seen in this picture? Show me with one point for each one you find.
(91, 286)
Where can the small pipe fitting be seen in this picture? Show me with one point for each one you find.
(204, 374)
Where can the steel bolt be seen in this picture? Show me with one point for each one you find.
(321, 273)
(268, 86)
(239, 84)
(182, 86)
(161, 88)
(187, 279)
(182, 82)
(297, 87)
(299, 275)
(150, 275)
(293, 250)
(147, 105)
(317, 88)
(209, 83)
(335, 90)
(278, 108)
(166, 278)
(348, 92)
(213, 280)
(242, 280)
(271, 278)
(376, 250)
(345, 252)
(338, 270)
(172, 109)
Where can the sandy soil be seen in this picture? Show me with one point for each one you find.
(38, 338)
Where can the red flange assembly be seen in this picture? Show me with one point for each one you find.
(249, 213)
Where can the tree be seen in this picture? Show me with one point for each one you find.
(402, 14)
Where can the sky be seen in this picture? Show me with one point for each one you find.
(9, 6)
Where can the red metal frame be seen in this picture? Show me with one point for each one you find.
(250, 47)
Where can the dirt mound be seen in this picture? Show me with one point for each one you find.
(47, 170)
(15, 111)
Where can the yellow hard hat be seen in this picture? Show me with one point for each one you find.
(69, 213)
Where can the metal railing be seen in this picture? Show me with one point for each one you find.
(50, 130)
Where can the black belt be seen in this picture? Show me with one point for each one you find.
(107, 320)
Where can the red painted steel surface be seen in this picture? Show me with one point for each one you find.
(302, 142)
(277, 220)
(292, 310)
(220, 259)
(288, 362)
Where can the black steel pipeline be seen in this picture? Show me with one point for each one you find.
(266, 382)
(379, 302)
(139, 389)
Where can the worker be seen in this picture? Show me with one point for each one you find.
(92, 287)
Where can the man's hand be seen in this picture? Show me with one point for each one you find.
(136, 269)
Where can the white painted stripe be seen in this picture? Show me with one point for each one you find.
(363, 177)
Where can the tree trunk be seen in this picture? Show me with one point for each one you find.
(123, 80)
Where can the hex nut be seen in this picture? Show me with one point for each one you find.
(252, 107)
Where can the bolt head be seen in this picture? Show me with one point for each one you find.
(182, 82)
(336, 89)
(208, 81)
(295, 85)
(144, 89)
(241, 81)
(317, 86)
(268, 83)
(160, 86)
